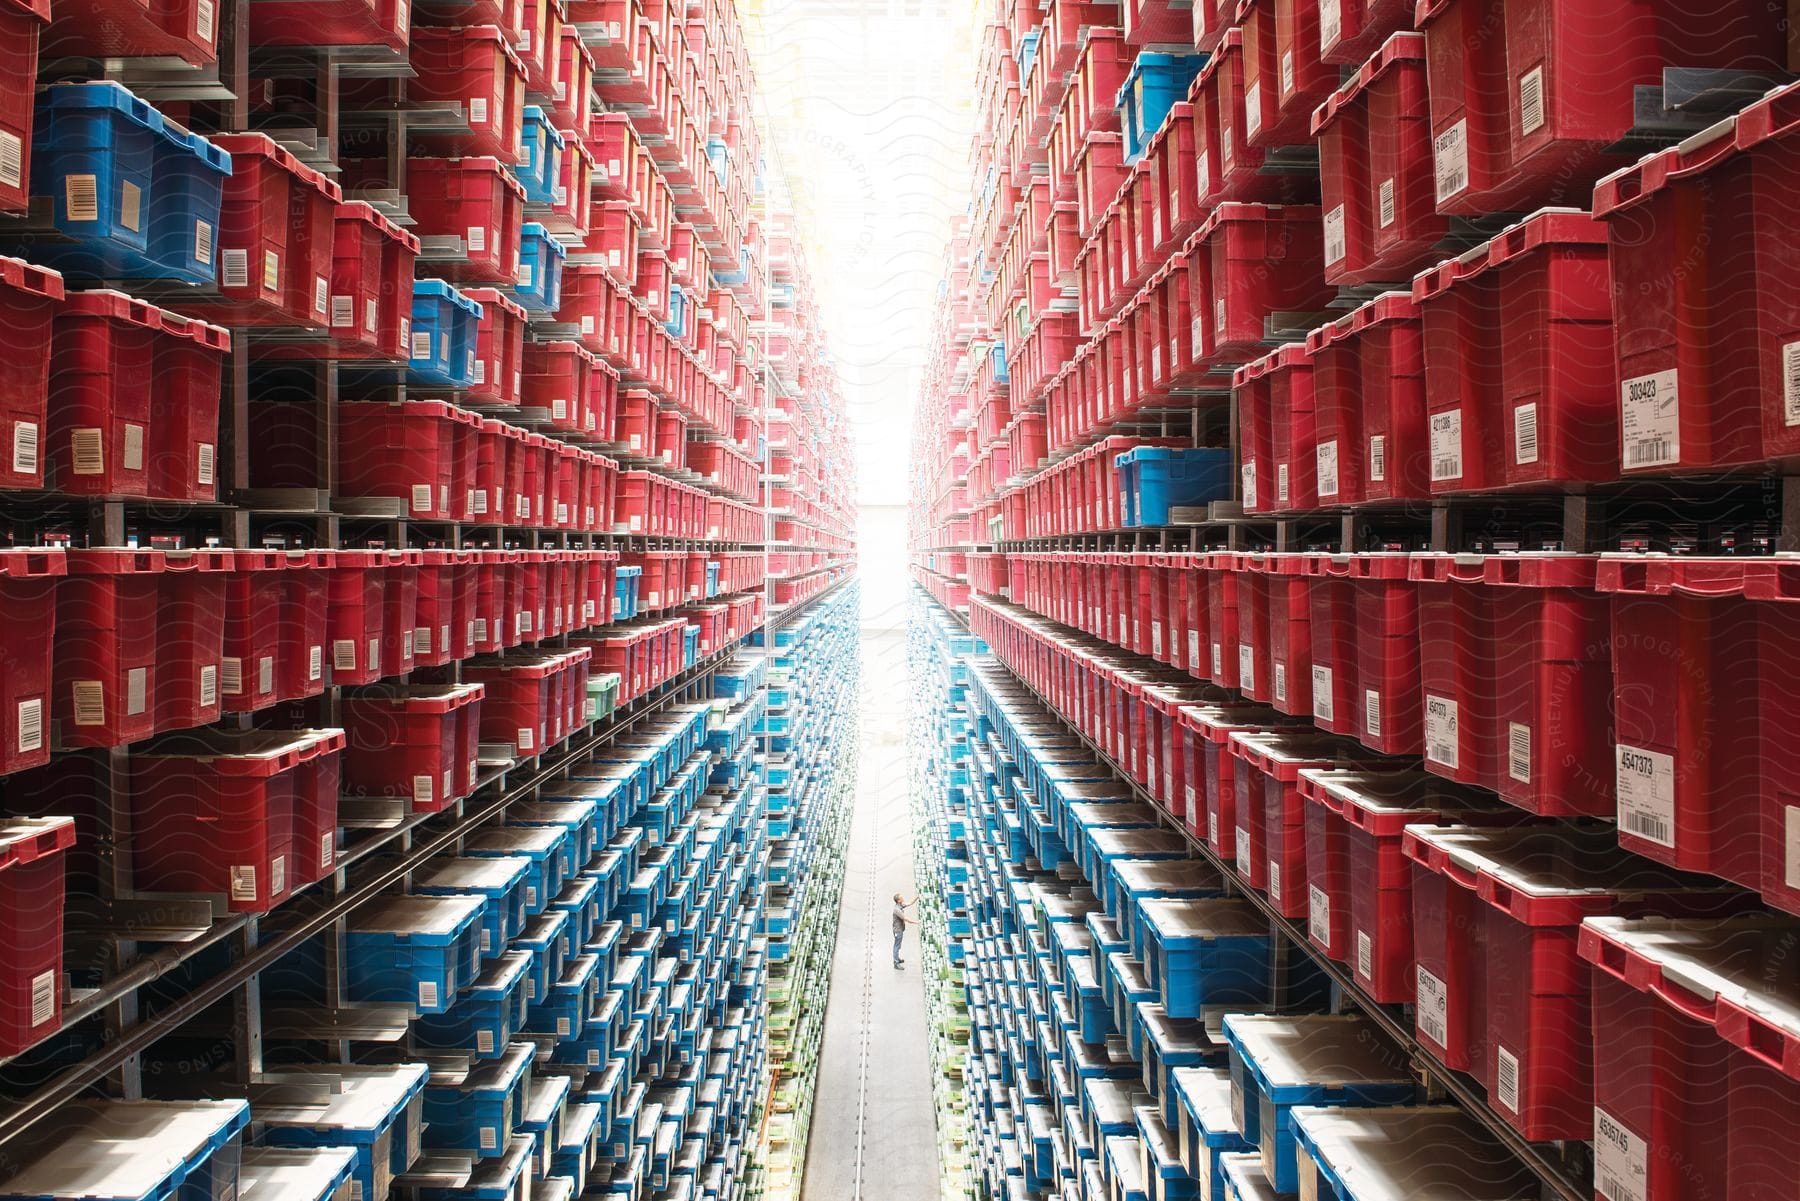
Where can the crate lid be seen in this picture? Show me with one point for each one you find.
(362, 1099)
(502, 975)
(1315, 1050)
(27, 839)
(437, 289)
(1176, 918)
(443, 917)
(1166, 877)
(544, 929)
(1205, 1096)
(125, 1150)
(489, 876)
(1175, 1037)
(1392, 1154)
(1536, 862)
(1244, 1173)
(1715, 971)
(293, 1173)
(1110, 843)
(549, 1094)
(1113, 1100)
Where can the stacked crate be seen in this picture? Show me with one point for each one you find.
(1343, 387)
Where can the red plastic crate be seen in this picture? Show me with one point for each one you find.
(250, 814)
(1388, 706)
(521, 709)
(1284, 77)
(28, 590)
(1215, 769)
(32, 892)
(1514, 664)
(108, 433)
(184, 29)
(1702, 319)
(400, 610)
(476, 200)
(29, 299)
(1245, 263)
(1337, 699)
(190, 634)
(539, 49)
(1690, 746)
(1352, 30)
(371, 284)
(558, 386)
(105, 659)
(444, 629)
(417, 741)
(1694, 1057)
(1375, 165)
(475, 68)
(21, 23)
(1369, 403)
(1518, 381)
(1359, 883)
(411, 455)
(332, 23)
(1270, 840)
(1276, 422)
(499, 349)
(1502, 993)
(276, 237)
(357, 625)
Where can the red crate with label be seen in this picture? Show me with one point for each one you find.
(411, 455)
(28, 594)
(1284, 77)
(32, 892)
(105, 658)
(1369, 403)
(416, 741)
(190, 634)
(1254, 261)
(478, 202)
(521, 708)
(30, 297)
(371, 284)
(476, 69)
(499, 349)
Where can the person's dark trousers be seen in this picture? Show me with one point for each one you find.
(898, 935)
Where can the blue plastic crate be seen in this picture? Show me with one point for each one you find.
(579, 1144)
(1166, 1044)
(1244, 1179)
(540, 157)
(131, 194)
(1205, 952)
(1155, 479)
(292, 1174)
(580, 816)
(134, 1151)
(542, 1119)
(478, 1111)
(1278, 1063)
(571, 996)
(580, 899)
(419, 950)
(545, 937)
(375, 1111)
(626, 581)
(1027, 54)
(441, 345)
(1001, 372)
(1157, 83)
(539, 284)
(676, 325)
(501, 1178)
(486, 1016)
(690, 642)
(543, 845)
(1207, 1129)
(500, 880)
(712, 580)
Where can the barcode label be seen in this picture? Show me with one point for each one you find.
(1446, 445)
(203, 242)
(1506, 1078)
(477, 239)
(1274, 880)
(209, 685)
(1280, 681)
(1334, 236)
(527, 739)
(374, 659)
(234, 268)
(1247, 482)
(43, 997)
(1219, 314)
(12, 160)
(1650, 420)
(1790, 383)
(1327, 455)
(484, 1040)
(315, 662)
(25, 448)
(1331, 25)
(1645, 783)
(1433, 1008)
(421, 498)
(90, 703)
(1218, 662)
(1450, 156)
(30, 726)
(137, 688)
(321, 294)
(271, 271)
(1525, 434)
(1386, 207)
(1442, 744)
(428, 999)
(1518, 751)
(1212, 828)
(1252, 111)
(478, 111)
(1318, 913)
(1365, 955)
(1246, 666)
(243, 882)
(1377, 457)
(421, 344)
(1321, 693)
(203, 21)
(1531, 101)
(89, 456)
(423, 789)
(480, 629)
(421, 640)
(1193, 659)
(343, 654)
(277, 875)
(203, 464)
(481, 371)
(343, 312)
(1202, 171)
(81, 197)
(1281, 482)
(1287, 73)
(231, 678)
(1243, 853)
(265, 675)
(1791, 845)
(372, 318)
(1621, 1159)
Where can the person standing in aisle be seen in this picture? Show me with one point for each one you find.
(901, 922)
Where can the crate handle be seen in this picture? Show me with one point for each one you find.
(1781, 121)
(1714, 589)
(1767, 1042)
(1673, 991)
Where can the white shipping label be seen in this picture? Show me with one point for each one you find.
(1318, 912)
(1645, 783)
(1433, 1008)
(1280, 681)
(1365, 955)
(137, 685)
(1202, 171)
(428, 999)
(315, 661)
(271, 275)
(277, 875)
(421, 498)
(1281, 482)
(478, 109)
(12, 159)
(1791, 844)
(477, 239)
(527, 738)
(1385, 208)
(1506, 1078)
(1252, 111)
(43, 998)
(203, 464)
(1243, 852)
(1377, 458)
(1274, 880)
(1218, 662)
(1790, 384)
(131, 203)
(265, 675)
(1450, 154)
(1246, 666)
(421, 344)
(1442, 743)
(1321, 693)
(1621, 1160)
(25, 448)
(1518, 751)
(234, 268)
(30, 726)
(1334, 236)
(1193, 659)
(1327, 454)
(1531, 101)
(1247, 474)
(423, 788)
(203, 242)
(209, 686)
(1525, 434)
(80, 198)
(1446, 445)
(90, 702)
(343, 311)
(243, 883)
(1331, 24)
(133, 454)
(1287, 73)
(1650, 420)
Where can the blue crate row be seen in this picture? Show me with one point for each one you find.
(1136, 1032)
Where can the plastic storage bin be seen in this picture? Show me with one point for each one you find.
(1157, 81)
(1207, 1130)
(486, 1016)
(371, 284)
(539, 280)
(376, 1111)
(445, 335)
(477, 202)
(276, 237)
(268, 659)
(1155, 479)
(31, 927)
(271, 1173)
(418, 950)
(1502, 993)
(28, 592)
(540, 162)
(30, 298)
(1369, 403)
(136, 1151)
(105, 657)
(475, 68)
(1348, 1154)
(414, 454)
(499, 350)
(477, 1111)
(418, 741)
(502, 880)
